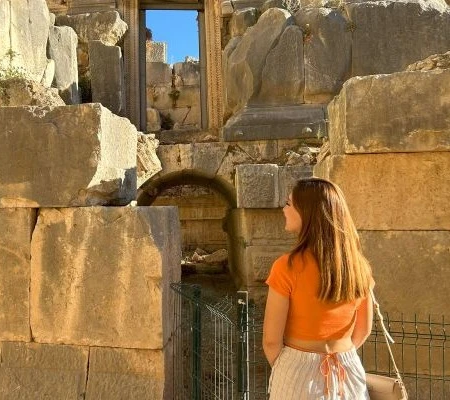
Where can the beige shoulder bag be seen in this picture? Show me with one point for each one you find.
(385, 387)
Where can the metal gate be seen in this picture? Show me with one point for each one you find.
(217, 350)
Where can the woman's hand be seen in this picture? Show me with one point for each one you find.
(277, 307)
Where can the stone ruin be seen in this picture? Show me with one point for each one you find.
(87, 272)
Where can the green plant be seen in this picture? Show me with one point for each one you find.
(11, 71)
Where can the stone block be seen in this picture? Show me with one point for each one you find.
(276, 122)
(241, 20)
(62, 48)
(43, 150)
(41, 371)
(288, 177)
(148, 163)
(327, 52)
(188, 73)
(134, 374)
(283, 79)
(106, 26)
(107, 78)
(5, 16)
(106, 282)
(393, 47)
(158, 97)
(402, 261)
(27, 35)
(400, 112)
(246, 62)
(189, 96)
(257, 186)
(158, 73)
(153, 120)
(25, 92)
(184, 116)
(394, 191)
(17, 227)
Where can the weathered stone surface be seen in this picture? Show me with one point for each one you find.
(283, 79)
(327, 52)
(133, 374)
(153, 120)
(17, 226)
(246, 62)
(401, 191)
(189, 96)
(89, 6)
(288, 176)
(62, 48)
(49, 73)
(401, 112)
(43, 151)
(241, 20)
(148, 163)
(25, 92)
(24, 35)
(184, 116)
(402, 261)
(158, 73)
(106, 282)
(40, 371)
(187, 73)
(105, 26)
(57, 6)
(257, 186)
(107, 88)
(276, 122)
(435, 61)
(159, 97)
(393, 48)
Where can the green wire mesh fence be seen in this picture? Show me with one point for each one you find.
(217, 350)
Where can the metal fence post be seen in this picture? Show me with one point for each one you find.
(196, 345)
(243, 346)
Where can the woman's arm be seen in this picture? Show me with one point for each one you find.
(277, 307)
(363, 324)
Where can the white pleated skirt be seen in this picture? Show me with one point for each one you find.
(301, 375)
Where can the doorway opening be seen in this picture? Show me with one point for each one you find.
(173, 97)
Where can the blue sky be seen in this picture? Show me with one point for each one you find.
(178, 28)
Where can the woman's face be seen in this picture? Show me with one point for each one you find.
(293, 219)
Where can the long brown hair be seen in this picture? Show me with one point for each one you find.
(329, 233)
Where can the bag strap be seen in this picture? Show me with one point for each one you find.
(388, 338)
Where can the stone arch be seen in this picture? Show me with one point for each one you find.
(153, 187)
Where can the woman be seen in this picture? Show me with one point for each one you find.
(319, 309)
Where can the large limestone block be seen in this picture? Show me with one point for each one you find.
(246, 62)
(107, 78)
(187, 73)
(62, 48)
(24, 35)
(381, 44)
(100, 276)
(283, 79)
(158, 73)
(17, 226)
(69, 156)
(262, 122)
(25, 92)
(327, 52)
(241, 20)
(402, 261)
(41, 371)
(401, 112)
(117, 374)
(257, 186)
(105, 26)
(404, 191)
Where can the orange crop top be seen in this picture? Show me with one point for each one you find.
(308, 317)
